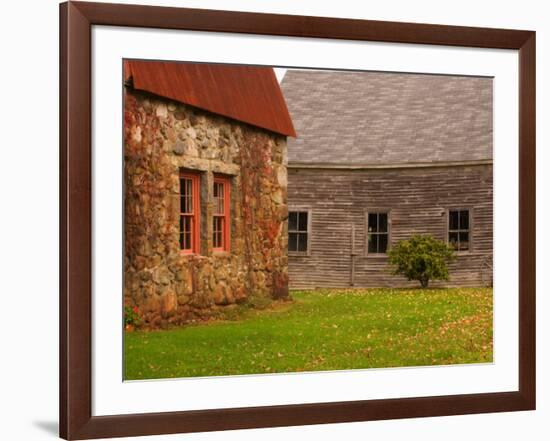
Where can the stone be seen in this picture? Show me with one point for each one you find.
(145, 248)
(145, 275)
(239, 294)
(162, 276)
(221, 273)
(279, 285)
(184, 274)
(169, 303)
(184, 281)
(229, 298)
(162, 137)
(183, 299)
(218, 294)
(162, 111)
(152, 304)
(186, 148)
(277, 196)
(282, 176)
(135, 133)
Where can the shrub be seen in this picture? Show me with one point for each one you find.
(421, 258)
(131, 316)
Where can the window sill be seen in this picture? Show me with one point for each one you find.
(376, 256)
(221, 253)
(298, 254)
(188, 254)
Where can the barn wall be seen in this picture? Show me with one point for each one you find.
(417, 198)
(162, 137)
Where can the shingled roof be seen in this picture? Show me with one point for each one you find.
(250, 94)
(372, 118)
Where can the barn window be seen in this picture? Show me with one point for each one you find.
(459, 229)
(298, 231)
(220, 218)
(377, 232)
(189, 212)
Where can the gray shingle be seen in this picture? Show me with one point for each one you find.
(388, 118)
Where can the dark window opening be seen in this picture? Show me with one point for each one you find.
(298, 233)
(377, 233)
(459, 229)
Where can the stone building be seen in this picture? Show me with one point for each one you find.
(382, 156)
(205, 188)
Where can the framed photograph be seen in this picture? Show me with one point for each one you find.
(272, 220)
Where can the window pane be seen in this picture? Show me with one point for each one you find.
(189, 184)
(464, 241)
(453, 220)
(302, 242)
(382, 243)
(373, 243)
(383, 222)
(186, 200)
(464, 220)
(217, 237)
(214, 232)
(453, 240)
(292, 221)
(183, 188)
(302, 221)
(219, 198)
(185, 232)
(373, 222)
(293, 242)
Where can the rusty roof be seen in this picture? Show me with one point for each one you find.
(382, 118)
(250, 94)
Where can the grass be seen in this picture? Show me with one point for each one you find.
(324, 330)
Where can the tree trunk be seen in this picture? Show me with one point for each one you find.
(424, 282)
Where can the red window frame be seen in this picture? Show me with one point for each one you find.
(221, 237)
(189, 219)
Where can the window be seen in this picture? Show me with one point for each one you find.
(377, 232)
(220, 219)
(189, 212)
(459, 229)
(298, 232)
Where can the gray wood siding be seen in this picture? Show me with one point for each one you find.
(418, 199)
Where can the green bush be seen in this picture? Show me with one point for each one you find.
(421, 258)
(131, 316)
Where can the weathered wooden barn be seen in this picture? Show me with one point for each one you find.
(205, 188)
(378, 157)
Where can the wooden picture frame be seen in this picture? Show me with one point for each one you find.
(76, 420)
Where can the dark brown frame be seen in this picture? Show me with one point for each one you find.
(76, 420)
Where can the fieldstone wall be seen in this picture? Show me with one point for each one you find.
(168, 287)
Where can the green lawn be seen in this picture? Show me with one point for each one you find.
(324, 330)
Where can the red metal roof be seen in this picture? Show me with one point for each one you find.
(249, 94)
